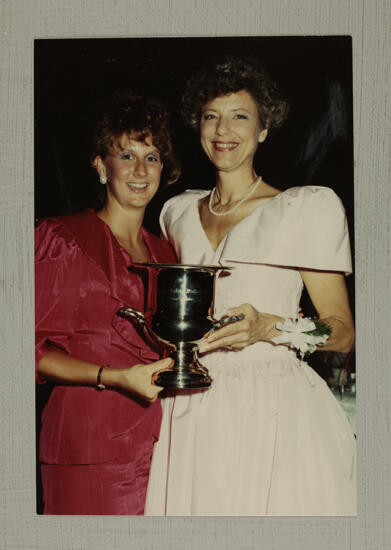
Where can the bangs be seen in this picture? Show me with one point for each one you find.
(143, 136)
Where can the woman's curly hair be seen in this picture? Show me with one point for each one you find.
(230, 75)
(137, 118)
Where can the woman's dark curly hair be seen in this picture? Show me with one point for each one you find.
(137, 118)
(230, 75)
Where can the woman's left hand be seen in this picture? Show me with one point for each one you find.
(254, 327)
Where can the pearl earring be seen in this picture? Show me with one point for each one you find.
(103, 180)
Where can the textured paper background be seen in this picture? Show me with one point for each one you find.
(369, 23)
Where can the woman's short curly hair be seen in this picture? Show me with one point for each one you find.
(230, 75)
(138, 118)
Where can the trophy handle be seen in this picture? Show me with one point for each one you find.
(226, 320)
(132, 314)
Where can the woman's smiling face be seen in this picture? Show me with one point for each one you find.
(231, 131)
(133, 172)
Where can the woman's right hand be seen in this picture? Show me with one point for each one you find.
(64, 369)
(138, 379)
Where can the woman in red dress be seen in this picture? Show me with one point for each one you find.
(103, 415)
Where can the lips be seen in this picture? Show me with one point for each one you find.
(138, 187)
(224, 146)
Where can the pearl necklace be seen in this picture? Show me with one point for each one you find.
(253, 188)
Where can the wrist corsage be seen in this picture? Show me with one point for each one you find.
(302, 334)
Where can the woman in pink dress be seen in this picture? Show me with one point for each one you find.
(268, 438)
(103, 416)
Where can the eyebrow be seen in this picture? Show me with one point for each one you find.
(231, 110)
(132, 150)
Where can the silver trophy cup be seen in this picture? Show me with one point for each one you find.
(180, 317)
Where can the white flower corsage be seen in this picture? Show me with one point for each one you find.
(303, 334)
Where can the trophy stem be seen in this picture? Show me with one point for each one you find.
(187, 372)
(182, 355)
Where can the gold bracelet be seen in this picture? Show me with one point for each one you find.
(99, 386)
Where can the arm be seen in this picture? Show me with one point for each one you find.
(328, 293)
(138, 379)
(323, 212)
(60, 269)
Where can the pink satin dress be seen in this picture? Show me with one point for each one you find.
(268, 438)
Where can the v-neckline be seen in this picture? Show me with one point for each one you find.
(223, 240)
(123, 250)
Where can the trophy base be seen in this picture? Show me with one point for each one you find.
(181, 380)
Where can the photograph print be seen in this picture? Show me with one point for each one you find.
(219, 379)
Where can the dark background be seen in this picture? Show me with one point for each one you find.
(74, 76)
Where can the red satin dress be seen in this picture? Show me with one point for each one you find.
(95, 447)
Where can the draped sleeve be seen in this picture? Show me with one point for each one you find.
(57, 288)
(302, 227)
